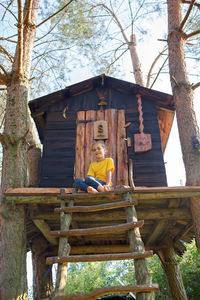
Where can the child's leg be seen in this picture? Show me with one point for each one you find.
(95, 183)
(80, 184)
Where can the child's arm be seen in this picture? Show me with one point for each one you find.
(108, 177)
(108, 181)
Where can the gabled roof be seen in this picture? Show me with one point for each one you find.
(164, 102)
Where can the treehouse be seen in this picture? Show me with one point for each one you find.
(65, 122)
(134, 122)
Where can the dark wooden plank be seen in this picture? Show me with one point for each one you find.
(99, 230)
(144, 170)
(103, 257)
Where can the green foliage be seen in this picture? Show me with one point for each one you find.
(62, 44)
(190, 269)
(84, 277)
(158, 276)
(88, 276)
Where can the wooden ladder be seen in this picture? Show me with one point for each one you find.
(144, 287)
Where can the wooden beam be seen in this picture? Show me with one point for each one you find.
(56, 191)
(94, 208)
(183, 232)
(98, 230)
(36, 191)
(156, 232)
(50, 195)
(99, 249)
(160, 214)
(46, 231)
(99, 257)
(146, 288)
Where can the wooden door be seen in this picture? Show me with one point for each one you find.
(116, 143)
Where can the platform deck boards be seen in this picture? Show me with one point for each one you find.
(165, 211)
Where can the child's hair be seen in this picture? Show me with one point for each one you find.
(99, 143)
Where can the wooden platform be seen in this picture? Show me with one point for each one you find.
(165, 211)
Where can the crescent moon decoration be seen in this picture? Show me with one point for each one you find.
(64, 112)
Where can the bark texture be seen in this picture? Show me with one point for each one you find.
(171, 267)
(42, 274)
(14, 170)
(135, 61)
(183, 97)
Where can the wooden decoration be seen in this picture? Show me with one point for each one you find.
(100, 130)
(142, 142)
(80, 141)
(122, 155)
(114, 139)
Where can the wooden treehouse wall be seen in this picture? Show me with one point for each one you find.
(59, 145)
(115, 144)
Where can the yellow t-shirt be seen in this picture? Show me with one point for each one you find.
(98, 169)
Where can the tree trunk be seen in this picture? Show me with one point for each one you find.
(34, 154)
(135, 61)
(42, 274)
(171, 267)
(14, 170)
(183, 97)
(14, 174)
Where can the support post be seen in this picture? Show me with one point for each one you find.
(63, 250)
(42, 275)
(136, 245)
(170, 265)
(195, 209)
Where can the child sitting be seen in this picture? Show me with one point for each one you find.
(100, 172)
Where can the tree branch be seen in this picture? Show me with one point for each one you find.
(55, 13)
(188, 2)
(116, 19)
(3, 80)
(195, 86)
(187, 15)
(159, 72)
(20, 37)
(116, 59)
(189, 35)
(3, 50)
(6, 8)
(3, 119)
(50, 30)
(7, 39)
(4, 71)
(28, 15)
(152, 66)
(131, 12)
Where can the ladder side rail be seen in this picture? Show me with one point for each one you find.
(136, 245)
(63, 249)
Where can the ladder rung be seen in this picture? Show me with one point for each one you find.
(143, 288)
(98, 257)
(99, 207)
(98, 230)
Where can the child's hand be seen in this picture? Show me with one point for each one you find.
(107, 188)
